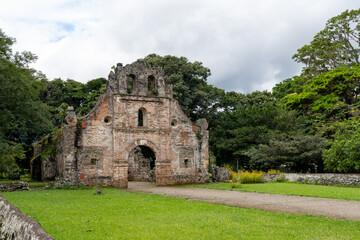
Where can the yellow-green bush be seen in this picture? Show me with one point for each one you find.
(254, 176)
(251, 177)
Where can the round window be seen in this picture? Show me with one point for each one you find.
(107, 119)
(174, 123)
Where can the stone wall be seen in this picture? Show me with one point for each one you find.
(220, 174)
(137, 111)
(13, 186)
(16, 225)
(126, 119)
(325, 178)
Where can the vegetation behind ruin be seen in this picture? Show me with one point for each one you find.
(308, 123)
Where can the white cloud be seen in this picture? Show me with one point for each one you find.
(247, 44)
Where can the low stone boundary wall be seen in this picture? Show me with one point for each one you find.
(13, 186)
(325, 178)
(16, 225)
(316, 178)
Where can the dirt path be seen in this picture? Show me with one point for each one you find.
(334, 208)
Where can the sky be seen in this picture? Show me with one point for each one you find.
(247, 44)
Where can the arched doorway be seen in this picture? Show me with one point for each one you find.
(141, 162)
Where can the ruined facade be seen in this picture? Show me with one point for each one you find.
(136, 131)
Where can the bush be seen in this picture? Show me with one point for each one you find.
(246, 177)
(241, 177)
(251, 177)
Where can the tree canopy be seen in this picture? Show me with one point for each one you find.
(197, 98)
(343, 154)
(82, 97)
(335, 46)
(23, 117)
(327, 91)
(308, 122)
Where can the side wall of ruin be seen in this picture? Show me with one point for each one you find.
(95, 146)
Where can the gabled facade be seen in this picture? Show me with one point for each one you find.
(136, 131)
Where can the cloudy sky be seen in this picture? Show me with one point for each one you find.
(247, 44)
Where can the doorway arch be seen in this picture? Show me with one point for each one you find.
(141, 164)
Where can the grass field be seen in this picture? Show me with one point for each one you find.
(297, 189)
(116, 214)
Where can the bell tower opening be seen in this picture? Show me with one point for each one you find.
(151, 85)
(130, 83)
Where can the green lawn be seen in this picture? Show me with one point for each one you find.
(298, 189)
(79, 214)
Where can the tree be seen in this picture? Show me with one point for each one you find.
(246, 120)
(335, 46)
(57, 91)
(197, 98)
(92, 90)
(344, 152)
(288, 86)
(23, 118)
(334, 94)
(82, 97)
(299, 153)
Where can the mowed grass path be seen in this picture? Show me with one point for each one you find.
(116, 214)
(296, 189)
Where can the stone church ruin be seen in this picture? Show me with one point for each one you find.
(136, 131)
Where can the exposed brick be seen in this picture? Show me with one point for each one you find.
(112, 132)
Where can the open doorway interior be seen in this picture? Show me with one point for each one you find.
(142, 164)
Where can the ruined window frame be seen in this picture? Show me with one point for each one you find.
(142, 117)
(186, 163)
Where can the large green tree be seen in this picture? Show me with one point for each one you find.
(197, 98)
(299, 153)
(327, 91)
(288, 86)
(337, 45)
(92, 90)
(245, 120)
(332, 96)
(23, 117)
(59, 94)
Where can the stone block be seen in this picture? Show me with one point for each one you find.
(13, 186)
(220, 174)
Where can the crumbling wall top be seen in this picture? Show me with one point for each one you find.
(140, 80)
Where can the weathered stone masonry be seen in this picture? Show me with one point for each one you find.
(136, 130)
(16, 225)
